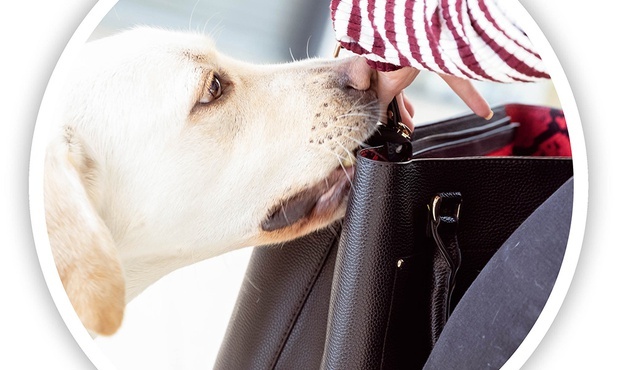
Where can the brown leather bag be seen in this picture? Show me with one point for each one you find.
(375, 290)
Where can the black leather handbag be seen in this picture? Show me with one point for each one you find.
(375, 290)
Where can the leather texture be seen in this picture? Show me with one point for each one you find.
(366, 300)
(386, 221)
(279, 320)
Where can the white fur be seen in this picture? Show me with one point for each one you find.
(144, 180)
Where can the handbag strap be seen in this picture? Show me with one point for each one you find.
(444, 210)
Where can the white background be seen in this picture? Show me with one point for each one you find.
(33, 35)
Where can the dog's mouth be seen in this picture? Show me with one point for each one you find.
(319, 202)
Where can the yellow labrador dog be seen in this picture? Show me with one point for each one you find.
(172, 153)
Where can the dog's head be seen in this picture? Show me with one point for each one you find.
(172, 153)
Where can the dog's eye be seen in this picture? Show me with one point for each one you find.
(213, 91)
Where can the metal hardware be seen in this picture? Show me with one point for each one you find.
(436, 205)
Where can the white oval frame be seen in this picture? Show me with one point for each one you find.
(44, 128)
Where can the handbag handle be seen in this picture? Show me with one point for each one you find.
(393, 137)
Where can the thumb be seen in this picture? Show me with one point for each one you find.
(390, 84)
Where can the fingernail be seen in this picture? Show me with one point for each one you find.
(489, 116)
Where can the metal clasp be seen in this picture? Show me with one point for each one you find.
(446, 204)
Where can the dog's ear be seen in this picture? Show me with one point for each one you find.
(82, 246)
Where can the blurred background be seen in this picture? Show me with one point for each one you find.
(179, 322)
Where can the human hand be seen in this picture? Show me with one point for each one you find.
(391, 85)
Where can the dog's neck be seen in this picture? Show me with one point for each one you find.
(142, 271)
(143, 266)
(140, 274)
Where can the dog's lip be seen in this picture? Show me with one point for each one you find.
(320, 199)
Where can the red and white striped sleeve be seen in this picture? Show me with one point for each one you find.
(473, 39)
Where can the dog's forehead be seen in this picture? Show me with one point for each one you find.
(195, 46)
(200, 57)
(154, 44)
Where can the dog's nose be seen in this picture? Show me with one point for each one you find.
(358, 74)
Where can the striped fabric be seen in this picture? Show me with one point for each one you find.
(472, 39)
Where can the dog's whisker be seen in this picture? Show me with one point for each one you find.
(285, 213)
(339, 159)
(354, 114)
(116, 12)
(330, 152)
(192, 12)
(351, 128)
(356, 105)
(250, 281)
(372, 104)
(343, 168)
(292, 55)
(360, 143)
(372, 107)
(351, 156)
(361, 111)
(217, 29)
(307, 47)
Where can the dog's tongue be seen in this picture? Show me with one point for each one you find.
(292, 211)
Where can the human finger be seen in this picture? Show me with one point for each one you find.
(390, 84)
(405, 110)
(468, 93)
